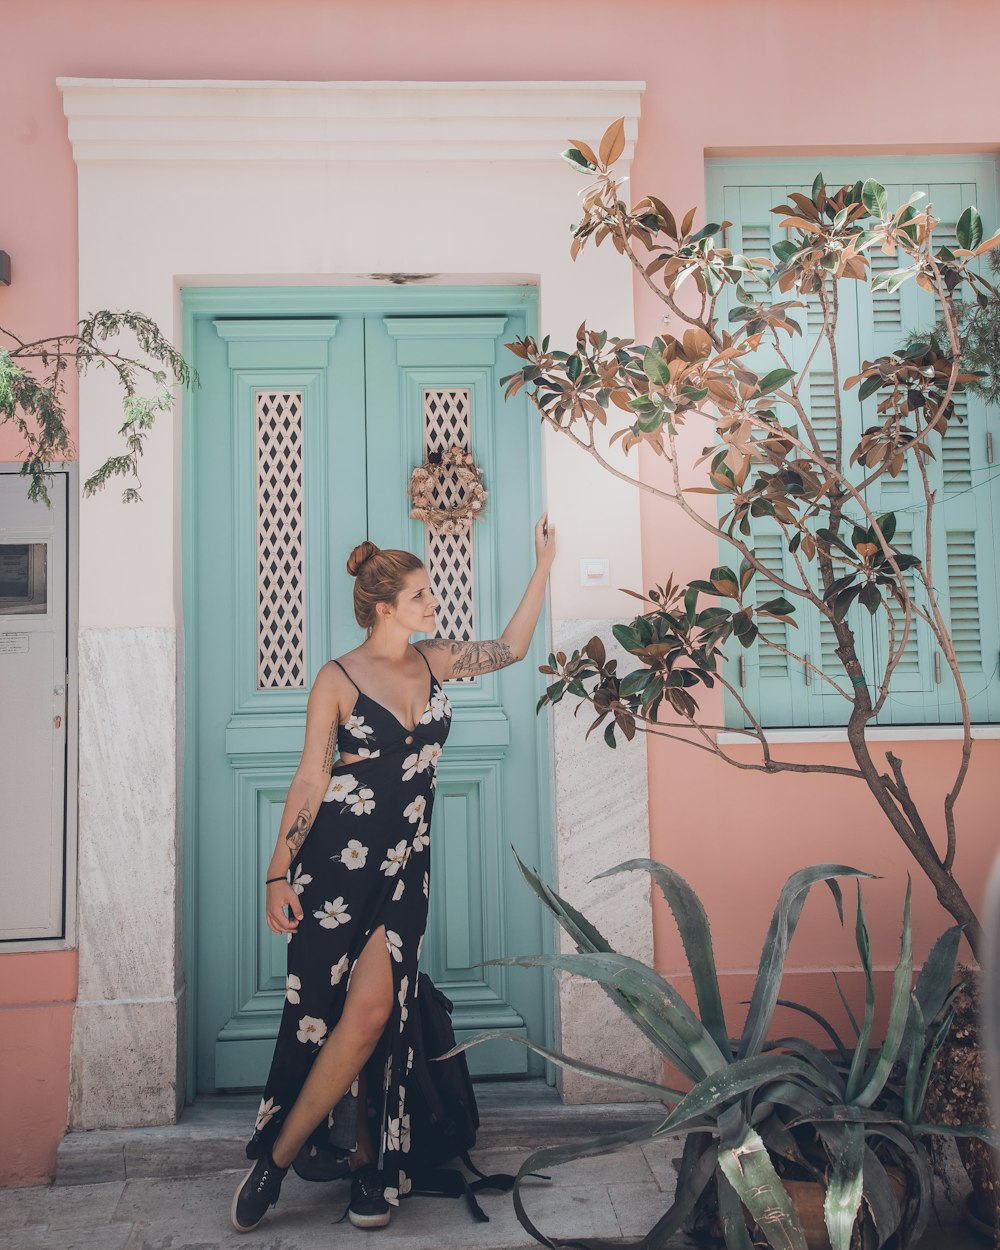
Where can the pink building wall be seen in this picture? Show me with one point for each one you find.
(721, 78)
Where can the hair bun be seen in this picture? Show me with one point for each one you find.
(361, 553)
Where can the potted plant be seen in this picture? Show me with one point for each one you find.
(773, 1130)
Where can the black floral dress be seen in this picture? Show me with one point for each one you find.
(365, 862)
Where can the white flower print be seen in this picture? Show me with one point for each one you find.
(409, 1058)
(394, 945)
(404, 1132)
(431, 753)
(363, 801)
(404, 1182)
(332, 914)
(426, 884)
(391, 1195)
(265, 1111)
(420, 838)
(312, 1029)
(420, 945)
(292, 987)
(414, 811)
(411, 765)
(438, 707)
(341, 786)
(354, 854)
(368, 754)
(397, 893)
(354, 1087)
(396, 857)
(392, 1134)
(404, 1011)
(338, 970)
(300, 880)
(356, 727)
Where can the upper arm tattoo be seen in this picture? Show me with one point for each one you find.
(470, 658)
(331, 747)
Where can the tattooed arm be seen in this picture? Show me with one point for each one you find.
(308, 788)
(465, 659)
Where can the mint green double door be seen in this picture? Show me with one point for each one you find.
(312, 411)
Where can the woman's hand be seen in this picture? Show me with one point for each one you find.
(279, 896)
(545, 541)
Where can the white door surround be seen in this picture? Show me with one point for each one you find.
(206, 183)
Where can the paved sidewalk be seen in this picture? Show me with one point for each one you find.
(619, 1195)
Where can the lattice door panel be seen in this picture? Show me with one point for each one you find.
(281, 637)
(447, 422)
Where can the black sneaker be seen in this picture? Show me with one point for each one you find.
(257, 1191)
(368, 1208)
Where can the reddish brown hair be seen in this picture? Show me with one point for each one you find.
(378, 578)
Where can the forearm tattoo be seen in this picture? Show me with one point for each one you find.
(331, 747)
(470, 658)
(297, 834)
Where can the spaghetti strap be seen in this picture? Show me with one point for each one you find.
(426, 661)
(348, 676)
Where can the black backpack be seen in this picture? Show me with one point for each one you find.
(443, 1112)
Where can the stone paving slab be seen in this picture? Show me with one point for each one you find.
(619, 1195)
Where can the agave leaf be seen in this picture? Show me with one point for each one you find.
(772, 958)
(847, 1006)
(916, 1020)
(696, 935)
(935, 978)
(878, 1120)
(914, 1222)
(734, 1226)
(899, 1009)
(747, 1166)
(843, 1189)
(935, 1046)
(697, 1167)
(550, 1155)
(880, 1197)
(662, 1093)
(588, 938)
(860, 1057)
(813, 1055)
(797, 1097)
(821, 1021)
(711, 1094)
(779, 1141)
(680, 1030)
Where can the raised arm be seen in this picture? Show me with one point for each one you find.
(465, 659)
(306, 792)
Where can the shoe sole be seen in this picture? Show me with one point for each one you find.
(369, 1221)
(243, 1228)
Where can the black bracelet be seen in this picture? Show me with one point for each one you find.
(283, 877)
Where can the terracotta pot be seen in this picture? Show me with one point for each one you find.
(807, 1200)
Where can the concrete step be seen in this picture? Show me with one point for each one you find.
(212, 1132)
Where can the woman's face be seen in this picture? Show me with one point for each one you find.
(416, 605)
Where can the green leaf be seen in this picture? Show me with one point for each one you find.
(874, 198)
(899, 1009)
(579, 162)
(747, 1166)
(655, 367)
(860, 1057)
(696, 936)
(887, 524)
(775, 948)
(871, 597)
(771, 381)
(843, 1190)
(969, 229)
(869, 386)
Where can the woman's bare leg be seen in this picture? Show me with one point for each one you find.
(346, 1050)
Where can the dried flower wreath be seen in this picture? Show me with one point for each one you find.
(452, 467)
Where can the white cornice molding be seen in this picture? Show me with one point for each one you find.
(114, 119)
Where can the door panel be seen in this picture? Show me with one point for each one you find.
(306, 433)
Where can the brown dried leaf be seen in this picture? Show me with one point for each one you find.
(613, 142)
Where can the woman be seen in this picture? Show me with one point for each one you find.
(357, 888)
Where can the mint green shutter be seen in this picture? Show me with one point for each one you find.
(963, 552)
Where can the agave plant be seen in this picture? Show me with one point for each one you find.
(762, 1111)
